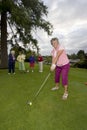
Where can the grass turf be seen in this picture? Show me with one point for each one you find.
(49, 111)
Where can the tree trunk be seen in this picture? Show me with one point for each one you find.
(4, 54)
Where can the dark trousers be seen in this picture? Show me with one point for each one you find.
(11, 67)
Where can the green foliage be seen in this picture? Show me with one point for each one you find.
(72, 56)
(47, 59)
(81, 64)
(26, 16)
(23, 16)
(81, 54)
(4, 5)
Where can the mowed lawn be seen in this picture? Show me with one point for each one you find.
(48, 111)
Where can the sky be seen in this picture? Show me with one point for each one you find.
(69, 20)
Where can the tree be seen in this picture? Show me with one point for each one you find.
(24, 16)
(81, 54)
(72, 56)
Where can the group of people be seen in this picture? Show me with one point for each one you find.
(32, 62)
(21, 59)
(60, 63)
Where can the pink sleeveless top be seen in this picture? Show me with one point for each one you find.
(63, 59)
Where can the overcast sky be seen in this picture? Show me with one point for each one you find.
(69, 20)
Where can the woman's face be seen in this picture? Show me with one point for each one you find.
(55, 43)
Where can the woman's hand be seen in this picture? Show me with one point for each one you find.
(53, 66)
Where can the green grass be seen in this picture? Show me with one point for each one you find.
(49, 111)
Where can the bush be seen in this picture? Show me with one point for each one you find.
(81, 64)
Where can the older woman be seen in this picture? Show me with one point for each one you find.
(60, 63)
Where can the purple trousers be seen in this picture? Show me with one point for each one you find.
(62, 71)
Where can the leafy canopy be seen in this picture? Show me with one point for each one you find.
(26, 15)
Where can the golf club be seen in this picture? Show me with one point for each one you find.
(35, 96)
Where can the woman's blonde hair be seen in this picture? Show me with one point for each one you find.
(53, 39)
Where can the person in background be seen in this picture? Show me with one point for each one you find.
(40, 61)
(60, 63)
(32, 62)
(20, 59)
(11, 62)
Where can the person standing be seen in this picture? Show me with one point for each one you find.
(20, 59)
(60, 63)
(11, 62)
(32, 62)
(40, 61)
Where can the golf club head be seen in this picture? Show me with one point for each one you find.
(29, 103)
(41, 87)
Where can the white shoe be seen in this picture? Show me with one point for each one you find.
(55, 88)
(27, 71)
(40, 71)
(65, 96)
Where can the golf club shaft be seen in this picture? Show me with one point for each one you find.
(41, 86)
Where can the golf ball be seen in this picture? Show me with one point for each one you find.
(30, 103)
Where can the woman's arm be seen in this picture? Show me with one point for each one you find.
(55, 59)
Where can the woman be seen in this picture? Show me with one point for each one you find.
(11, 62)
(21, 59)
(60, 63)
(32, 62)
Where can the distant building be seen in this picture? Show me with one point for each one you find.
(73, 61)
